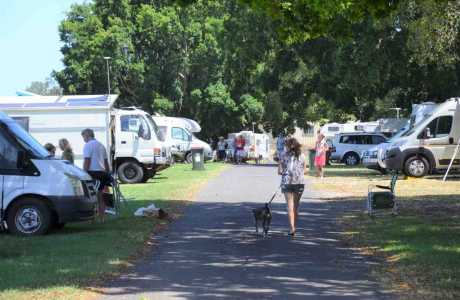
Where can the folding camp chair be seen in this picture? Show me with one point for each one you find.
(382, 200)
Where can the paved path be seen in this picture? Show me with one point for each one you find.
(212, 252)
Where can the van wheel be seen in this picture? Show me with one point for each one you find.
(416, 166)
(28, 217)
(130, 172)
(188, 158)
(351, 159)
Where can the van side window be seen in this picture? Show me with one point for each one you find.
(8, 154)
(440, 127)
(176, 133)
(444, 126)
(23, 121)
(136, 124)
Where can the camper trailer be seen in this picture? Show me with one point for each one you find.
(179, 134)
(131, 137)
(36, 191)
(430, 145)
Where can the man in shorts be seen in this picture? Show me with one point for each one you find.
(97, 165)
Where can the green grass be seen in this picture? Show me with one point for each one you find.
(422, 252)
(420, 247)
(62, 264)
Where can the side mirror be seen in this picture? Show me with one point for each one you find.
(425, 134)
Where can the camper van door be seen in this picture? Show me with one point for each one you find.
(127, 141)
(437, 138)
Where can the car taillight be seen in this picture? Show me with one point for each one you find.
(156, 151)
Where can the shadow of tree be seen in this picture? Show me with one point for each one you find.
(215, 253)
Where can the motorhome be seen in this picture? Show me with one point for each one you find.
(179, 133)
(37, 191)
(131, 137)
(430, 145)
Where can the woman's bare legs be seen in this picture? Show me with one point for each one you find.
(296, 198)
(290, 210)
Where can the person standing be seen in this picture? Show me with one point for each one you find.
(280, 143)
(239, 144)
(292, 169)
(221, 149)
(67, 153)
(51, 149)
(97, 165)
(321, 148)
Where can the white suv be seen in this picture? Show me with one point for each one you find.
(349, 147)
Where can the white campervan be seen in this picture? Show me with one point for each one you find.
(38, 192)
(430, 144)
(130, 136)
(179, 133)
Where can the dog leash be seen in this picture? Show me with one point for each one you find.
(274, 195)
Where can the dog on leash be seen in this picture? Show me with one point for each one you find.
(263, 215)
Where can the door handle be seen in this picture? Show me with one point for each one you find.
(123, 142)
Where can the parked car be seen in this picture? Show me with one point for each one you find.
(39, 192)
(349, 147)
(430, 145)
(373, 158)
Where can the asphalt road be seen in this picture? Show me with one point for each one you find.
(212, 252)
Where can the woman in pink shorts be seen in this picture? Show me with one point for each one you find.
(320, 156)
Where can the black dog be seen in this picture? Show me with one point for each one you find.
(264, 215)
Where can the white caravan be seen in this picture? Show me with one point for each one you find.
(179, 133)
(38, 192)
(429, 145)
(131, 137)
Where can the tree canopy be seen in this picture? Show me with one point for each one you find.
(278, 64)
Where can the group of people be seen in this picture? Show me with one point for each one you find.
(292, 168)
(223, 149)
(64, 145)
(95, 163)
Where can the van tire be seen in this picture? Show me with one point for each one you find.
(29, 217)
(130, 172)
(188, 158)
(416, 166)
(351, 159)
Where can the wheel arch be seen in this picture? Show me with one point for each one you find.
(349, 152)
(423, 152)
(30, 195)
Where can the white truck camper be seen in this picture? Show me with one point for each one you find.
(134, 144)
(257, 145)
(37, 191)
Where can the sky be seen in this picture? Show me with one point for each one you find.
(29, 41)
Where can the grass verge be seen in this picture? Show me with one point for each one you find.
(63, 264)
(420, 246)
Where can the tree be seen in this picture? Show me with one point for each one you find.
(48, 87)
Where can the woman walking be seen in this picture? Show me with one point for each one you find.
(321, 148)
(292, 169)
(67, 153)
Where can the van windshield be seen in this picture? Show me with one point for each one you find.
(26, 140)
(157, 131)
